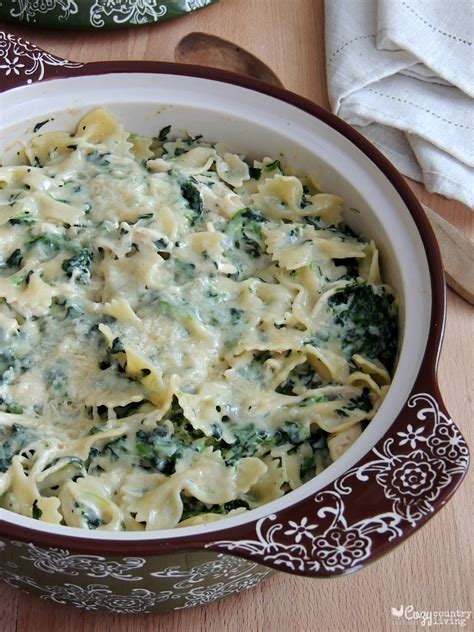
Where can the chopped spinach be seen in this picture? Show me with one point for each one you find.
(39, 125)
(15, 409)
(317, 399)
(192, 196)
(319, 459)
(367, 322)
(116, 448)
(190, 140)
(303, 377)
(23, 217)
(249, 441)
(56, 377)
(276, 164)
(92, 519)
(255, 173)
(245, 228)
(12, 441)
(11, 362)
(163, 133)
(36, 512)
(363, 402)
(194, 507)
(216, 432)
(50, 243)
(236, 315)
(292, 433)
(73, 310)
(162, 244)
(158, 450)
(14, 260)
(352, 267)
(80, 265)
(20, 279)
(99, 159)
(253, 218)
(184, 271)
(305, 200)
(129, 409)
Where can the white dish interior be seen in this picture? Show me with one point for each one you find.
(257, 125)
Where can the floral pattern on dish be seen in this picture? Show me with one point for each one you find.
(406, 474)
(176, 586)
(20, 58)
(97, 14)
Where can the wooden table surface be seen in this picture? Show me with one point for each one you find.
(434, 569)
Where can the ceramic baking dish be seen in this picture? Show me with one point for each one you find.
(403, 468)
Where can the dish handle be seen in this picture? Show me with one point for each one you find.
(401, 483)
(22, 63)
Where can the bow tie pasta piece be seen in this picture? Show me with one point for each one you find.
(232, 170)
(27, 293)
(208, 479)
(195, 160)
(101, 129)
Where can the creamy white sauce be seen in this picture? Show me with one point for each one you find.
(173, 341)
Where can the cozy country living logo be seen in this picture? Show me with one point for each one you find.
(409, 615)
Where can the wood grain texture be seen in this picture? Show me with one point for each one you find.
(434, 569)
(457, 253)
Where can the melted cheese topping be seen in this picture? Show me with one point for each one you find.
(182, 336)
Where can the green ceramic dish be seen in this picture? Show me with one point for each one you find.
(96, 14)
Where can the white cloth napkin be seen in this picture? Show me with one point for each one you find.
(401, 72)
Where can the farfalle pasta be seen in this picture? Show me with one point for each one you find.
(184, 335)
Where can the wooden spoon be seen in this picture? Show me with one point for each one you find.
(457, 251)
(209, 50)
